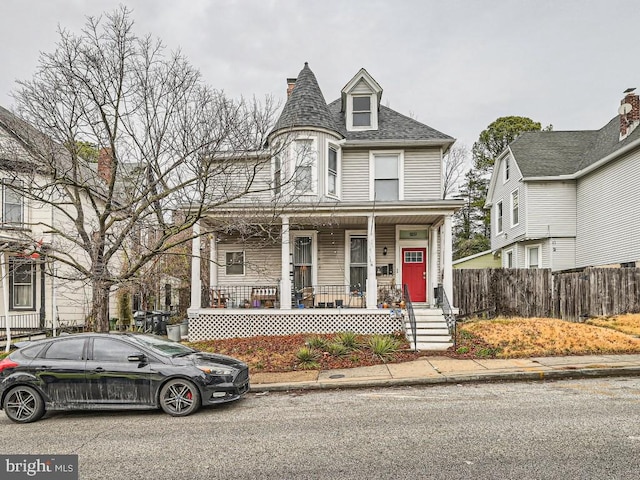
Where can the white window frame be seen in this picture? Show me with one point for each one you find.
(528, 249)
(277, 190)
(6, 184)
(372, 171)
(244, 263)
(374, 112)
(506, 171)
(314, 166)
(499, 217)
(513, 208)
(508, 253)
(338, 150)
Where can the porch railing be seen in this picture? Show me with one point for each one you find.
(268, 296)
(412, 317)
(20, 324)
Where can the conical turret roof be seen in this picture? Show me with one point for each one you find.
(306, 106)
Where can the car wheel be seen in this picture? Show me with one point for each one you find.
(23, 404)
(179, 397)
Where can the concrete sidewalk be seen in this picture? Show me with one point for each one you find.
(439, 370)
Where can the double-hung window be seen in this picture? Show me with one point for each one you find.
(12, 202)
(499, 217)
(22, 283)
(515, 217)
(332, 171)
(305, 163)
(361, 111)
(277, 175)
(387, 177)
(533, 257)
(507, 169)
(302, 262)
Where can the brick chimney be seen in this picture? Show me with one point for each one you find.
(291, 82)
(629, 113)
(105, 164)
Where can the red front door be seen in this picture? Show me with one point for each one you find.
(414, 272)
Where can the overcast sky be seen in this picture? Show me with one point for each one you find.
(454, 65)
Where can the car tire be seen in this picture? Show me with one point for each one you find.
(23, 404)
(179, 397)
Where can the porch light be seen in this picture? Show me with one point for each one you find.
(384, 250)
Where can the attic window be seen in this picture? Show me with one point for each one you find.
(506, 169)
(362, 111)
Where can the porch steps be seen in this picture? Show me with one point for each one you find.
(431, 329)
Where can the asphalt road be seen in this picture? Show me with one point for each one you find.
(588, 429)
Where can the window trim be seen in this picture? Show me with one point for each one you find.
(511, 252)
(512, 209)
(374, 112)
(372, 172)
(12, 307)
(499, 217)
(528, 249)
(314, 166)
(313, 234)
(338, 194)
(6, 183)
(506, 171)
(349, 234)
(244, 263)
(276, 190)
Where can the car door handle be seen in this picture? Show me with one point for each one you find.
(98, 370)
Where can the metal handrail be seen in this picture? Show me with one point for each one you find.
(449, 315)
(412, 317)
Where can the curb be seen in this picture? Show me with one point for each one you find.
(536, 375)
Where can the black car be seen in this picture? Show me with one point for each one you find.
(114, 371)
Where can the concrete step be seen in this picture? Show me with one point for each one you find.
(423, 332)
(429, 324)
(433, 346)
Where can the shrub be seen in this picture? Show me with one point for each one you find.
(462, 350)
(384, 346)
(337, 349)
(316, 342)
(307, 358)
(348, 339)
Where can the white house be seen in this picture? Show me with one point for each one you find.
(565, 200)
(356, 194)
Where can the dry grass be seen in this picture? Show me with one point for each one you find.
(531, 337)
(629, 324)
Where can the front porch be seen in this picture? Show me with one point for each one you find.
(319, 273)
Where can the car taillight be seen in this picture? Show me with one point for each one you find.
(7, 363)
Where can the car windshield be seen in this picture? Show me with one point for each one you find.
(162, 346)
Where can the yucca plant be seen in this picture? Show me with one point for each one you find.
(384, 346)
(307, 358)
(337, 349)
(317, 342)
(348, 339)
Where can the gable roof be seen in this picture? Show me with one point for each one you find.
(562, 153)
(363, 76)
(306, 106)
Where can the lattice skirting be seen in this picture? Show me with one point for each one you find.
(230, 324)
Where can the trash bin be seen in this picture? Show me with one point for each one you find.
(184, 328)
(173, 333)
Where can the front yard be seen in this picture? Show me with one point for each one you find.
(498, 338)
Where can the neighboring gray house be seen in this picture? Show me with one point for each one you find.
(361, 215)
(569, 199)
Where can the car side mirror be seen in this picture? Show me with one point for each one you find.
(137, 357)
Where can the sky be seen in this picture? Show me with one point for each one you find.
(455, 65)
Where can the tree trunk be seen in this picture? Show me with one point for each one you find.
(99, 321)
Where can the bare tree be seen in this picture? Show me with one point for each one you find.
(454, 166)
(164, 141)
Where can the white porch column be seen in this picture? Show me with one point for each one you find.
(433, 264)
(372, 281)
(213, 260)
(285, 274)
(196, 281)
(447, 258)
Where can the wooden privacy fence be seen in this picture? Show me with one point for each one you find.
(540, 293)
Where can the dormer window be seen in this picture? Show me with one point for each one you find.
(362, 111)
